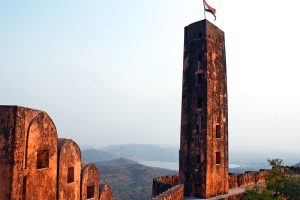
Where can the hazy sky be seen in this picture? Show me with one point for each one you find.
(110, 72)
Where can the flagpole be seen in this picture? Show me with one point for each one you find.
(204, 10)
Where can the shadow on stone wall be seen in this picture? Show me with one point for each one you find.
(35, 164)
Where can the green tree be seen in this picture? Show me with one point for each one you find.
(280, 184)
(257, 194)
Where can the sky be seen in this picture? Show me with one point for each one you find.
(110, 72)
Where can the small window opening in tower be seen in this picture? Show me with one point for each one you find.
(90, 192)
(24, 188)
(199, 57)
(197, 188)
(199, 35)
(199, 102)
(200, 78)
(218, 158)
(218, 131)
(198, 160)
(42, 159)
(70, 175)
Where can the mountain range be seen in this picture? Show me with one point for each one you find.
(119, 166)
(128, 179)
(141, 152)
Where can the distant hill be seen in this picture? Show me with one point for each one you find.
(117, 162)
(94, 155)
(129, 180)
(297, 165)
(141, 152)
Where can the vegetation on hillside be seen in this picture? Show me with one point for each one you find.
(280, 185)
(130, 180)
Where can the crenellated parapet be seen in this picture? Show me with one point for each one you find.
(294, 170)
(163, 183)
(174, 193)
(247, 179)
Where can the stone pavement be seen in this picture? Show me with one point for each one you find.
(231, 192)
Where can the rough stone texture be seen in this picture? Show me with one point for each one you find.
(247, 179)
(89, 179)
(69, 170)
(295, 170)
(42, 135)
(105, 192)
(29, 154)
(174, 193)
(23, 133)
(162, 184)
(7, 138)
(202, 170)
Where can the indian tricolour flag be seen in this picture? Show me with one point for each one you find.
(209, 9)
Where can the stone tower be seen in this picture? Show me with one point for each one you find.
(203, 155)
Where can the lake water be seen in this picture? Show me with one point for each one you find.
(171, 165)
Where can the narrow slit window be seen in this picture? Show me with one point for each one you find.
(199, 35)
(24, 188)
(42, 159)
(90, 192)
(198, 159)
(70, 175)
(218, 131)
(200, 78)
(199, 102)
(200, 57)
(218, 158)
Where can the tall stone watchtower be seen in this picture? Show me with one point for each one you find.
(203, 155)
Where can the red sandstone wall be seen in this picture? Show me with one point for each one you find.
(204, 107)
(247, 179)
(69, 156)
(29, 156)
(89, 178)
(216, 174)
(162, 184)
(7, 136)
(26, 130)
(24, 118)
(105, 192)
(174, 193)
(41, 183)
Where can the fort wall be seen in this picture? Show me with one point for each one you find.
(34, 164)
(294, 170)
(40, 159)
(89, 182)
(246, 179)
(174, 193)
(163, 183)
(105, 192)
(69, 170)
(164, 187)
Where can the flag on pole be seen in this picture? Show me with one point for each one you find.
(209, 9)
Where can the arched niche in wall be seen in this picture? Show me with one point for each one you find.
(90, 179)
(69, 169)
(105, 192)
(39, 181)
